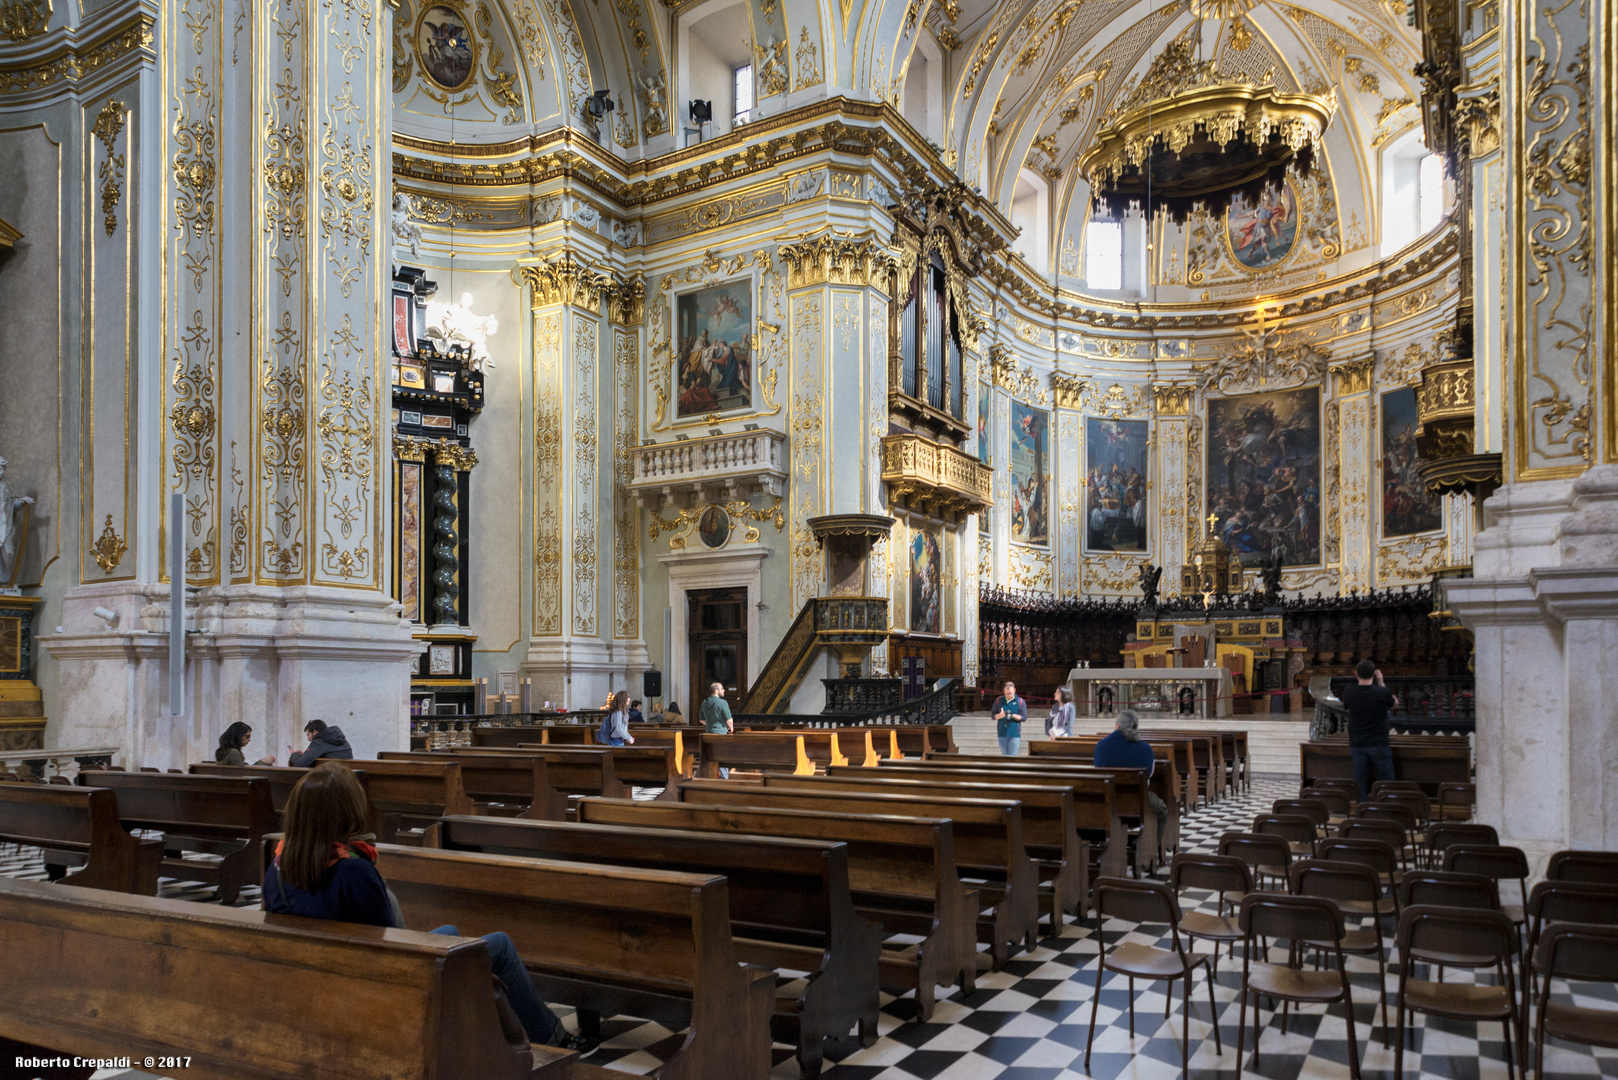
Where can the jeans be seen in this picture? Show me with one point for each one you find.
(615, 742)
(1371, 763)
(1010, 744)
(536, 1017)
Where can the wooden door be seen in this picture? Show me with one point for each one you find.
(716, 639)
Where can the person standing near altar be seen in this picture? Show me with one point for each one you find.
(1009, 713)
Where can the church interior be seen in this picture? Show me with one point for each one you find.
(707, 490)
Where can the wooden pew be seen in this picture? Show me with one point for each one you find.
(610, 941)
(410, 795)
(1102, 800)
(81, 822)
(1227, 746)
(226, 816)
(568, 735)
(1175, 753)
(988, 839)
(1130, 802)
(282, 780)
(510, 781)
(790, 907)
(238, 994)
(684, 760)
(572, 770)
(772, 751)
(1050, 832)
(638, 766)
(901, 871)
(1428, 760)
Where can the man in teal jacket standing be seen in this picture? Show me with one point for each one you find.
(1009, 713)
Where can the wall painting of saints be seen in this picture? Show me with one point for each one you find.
(926, 582)
(1407, 506)
(983, 423)
(1115, 484)
(1264, 474)
(1030, 474)
(714, 365)
(1263, 233)
(445, 47)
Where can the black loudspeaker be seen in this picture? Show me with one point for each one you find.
(651, 684)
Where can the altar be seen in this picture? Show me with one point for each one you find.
(1155, 691)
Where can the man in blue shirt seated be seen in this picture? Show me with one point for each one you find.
(1123, 749)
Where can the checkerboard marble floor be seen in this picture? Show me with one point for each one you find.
(1029, 1022)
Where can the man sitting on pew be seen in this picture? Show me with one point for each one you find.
(325, 868)
(325, 741)
(1123, 749)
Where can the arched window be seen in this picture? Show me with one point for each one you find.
(930, 340)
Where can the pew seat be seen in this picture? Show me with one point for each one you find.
(80, 825)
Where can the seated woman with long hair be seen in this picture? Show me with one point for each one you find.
(233, 742)
(325, 868)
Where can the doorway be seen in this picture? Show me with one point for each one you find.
(716, 636)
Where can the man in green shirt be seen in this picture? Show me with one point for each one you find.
(714, 715)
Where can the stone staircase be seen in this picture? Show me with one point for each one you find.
(974, 733)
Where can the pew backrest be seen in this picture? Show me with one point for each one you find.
(84, 821)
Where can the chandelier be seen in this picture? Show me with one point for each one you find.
(1187, 135)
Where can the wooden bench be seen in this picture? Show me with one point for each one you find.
(988, 839)
(1428, 760)
(281, 780)
(1050, 832)
(638, 766)
(684, 760)
(83, 823)
(568, 735)
(238, 994)
(1227, 746)
(764, 751)
(609, 941)
(506, 785)
(226, 816)
(790, 908)
(1175, 753)
(572, 770)
(410, 795)
(901, 871)
(1164, 782)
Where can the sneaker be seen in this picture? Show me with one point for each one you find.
(581, 1043)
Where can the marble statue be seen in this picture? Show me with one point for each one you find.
(406, 233)
(654, 96)
(10, 536)
(1270, 573)
(454, 324)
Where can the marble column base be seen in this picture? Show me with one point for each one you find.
(579, 673)
(274, 658)
(1543, 607)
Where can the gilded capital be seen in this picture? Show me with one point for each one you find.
(406, 448)
(834, 258)
(626, 303)
(458, 457)
(1354, 376)
(1069, 390)
(566, 280)
(1173, 400)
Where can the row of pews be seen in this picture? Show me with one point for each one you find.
(772, 907)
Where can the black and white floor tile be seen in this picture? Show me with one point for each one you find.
(1030, 1021)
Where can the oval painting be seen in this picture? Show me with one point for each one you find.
(444, 46)
(1262, 234)
(714, 527)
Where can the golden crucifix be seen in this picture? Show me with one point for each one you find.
(1213, 521)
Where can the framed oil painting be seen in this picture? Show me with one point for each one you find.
(714, 328)
(983, 423)
(1264, 473)
(1030, 474)
(1407, 506)
(714, 527)
(1115, 484)
(446, 48)
(926, 582)
(1262, 233)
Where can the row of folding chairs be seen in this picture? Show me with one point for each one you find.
(1444, 919)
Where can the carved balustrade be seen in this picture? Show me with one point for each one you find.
(709, 468)
(935, 478)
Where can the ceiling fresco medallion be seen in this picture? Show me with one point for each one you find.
(445, 48)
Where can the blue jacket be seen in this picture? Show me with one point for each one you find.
(1117, 752)
(352, 891)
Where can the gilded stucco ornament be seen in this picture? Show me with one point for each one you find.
(109, 548)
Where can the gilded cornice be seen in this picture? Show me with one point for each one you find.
(1069, 390)
(566, 280)
(834, 258)
(69, 61)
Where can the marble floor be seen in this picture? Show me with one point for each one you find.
(1029, 1021)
